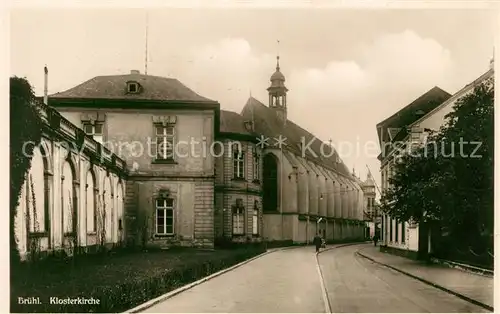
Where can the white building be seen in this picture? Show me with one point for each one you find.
(404, 236)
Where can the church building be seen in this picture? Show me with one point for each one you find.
(191, 174)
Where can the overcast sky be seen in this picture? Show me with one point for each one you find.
(346, 69)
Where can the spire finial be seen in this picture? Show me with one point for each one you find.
(278, 57)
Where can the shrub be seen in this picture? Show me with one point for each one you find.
(126, 294)
(25, 126)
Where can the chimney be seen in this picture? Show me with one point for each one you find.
(46, 86)
(135, 72)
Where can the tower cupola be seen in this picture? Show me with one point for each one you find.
(277, 92)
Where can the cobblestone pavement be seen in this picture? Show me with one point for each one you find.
(474, 286)
(355, 284)
(282, 281)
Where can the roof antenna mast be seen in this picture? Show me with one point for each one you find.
(146, 50)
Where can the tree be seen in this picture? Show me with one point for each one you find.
(25, 126)
(450, 179)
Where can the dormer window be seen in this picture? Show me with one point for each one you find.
(133, 87)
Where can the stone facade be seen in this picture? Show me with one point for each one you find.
(188, 178)
(73, 194)
(231, 188)
(207, 192)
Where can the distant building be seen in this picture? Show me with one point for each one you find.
(371, 214)
(369, 198)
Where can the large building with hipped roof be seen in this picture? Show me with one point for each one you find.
(196, 174)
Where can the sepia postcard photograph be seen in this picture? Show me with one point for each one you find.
(251, 157)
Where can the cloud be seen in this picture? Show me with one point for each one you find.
(342, 100)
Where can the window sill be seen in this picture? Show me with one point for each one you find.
(239, 179)
(271, 212)
(91, 233)
(164, 235)
(164, 162)
(39, 234)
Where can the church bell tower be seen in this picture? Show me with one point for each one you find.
(277, 93)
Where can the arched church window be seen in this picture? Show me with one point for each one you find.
(270, 183)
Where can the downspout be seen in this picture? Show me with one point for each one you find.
(281, 194)
(46, 86)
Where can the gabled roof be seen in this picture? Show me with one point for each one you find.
(268, 124)
(420, 106)
(488, 74)
(114, 87)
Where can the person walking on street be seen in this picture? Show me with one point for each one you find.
(375, 239)
(317, 242)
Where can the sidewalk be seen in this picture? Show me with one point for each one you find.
(470, 286)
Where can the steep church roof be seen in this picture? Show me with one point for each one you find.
(232, 122)
(268, 124)
(114, 87)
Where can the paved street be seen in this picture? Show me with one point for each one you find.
(283, 281)
(288, 281)
(355, 284)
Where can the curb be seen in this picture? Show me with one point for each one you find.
(464, 267)
(172, 293)
(342, 245)
(326, 300)
(461, 296)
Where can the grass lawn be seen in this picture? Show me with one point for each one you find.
(121, 280)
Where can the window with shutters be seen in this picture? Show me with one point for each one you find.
(95, 130)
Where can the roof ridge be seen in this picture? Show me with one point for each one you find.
(416, 100)
(288, 120)
(114, 87)
(454, 96)
(269, 127)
